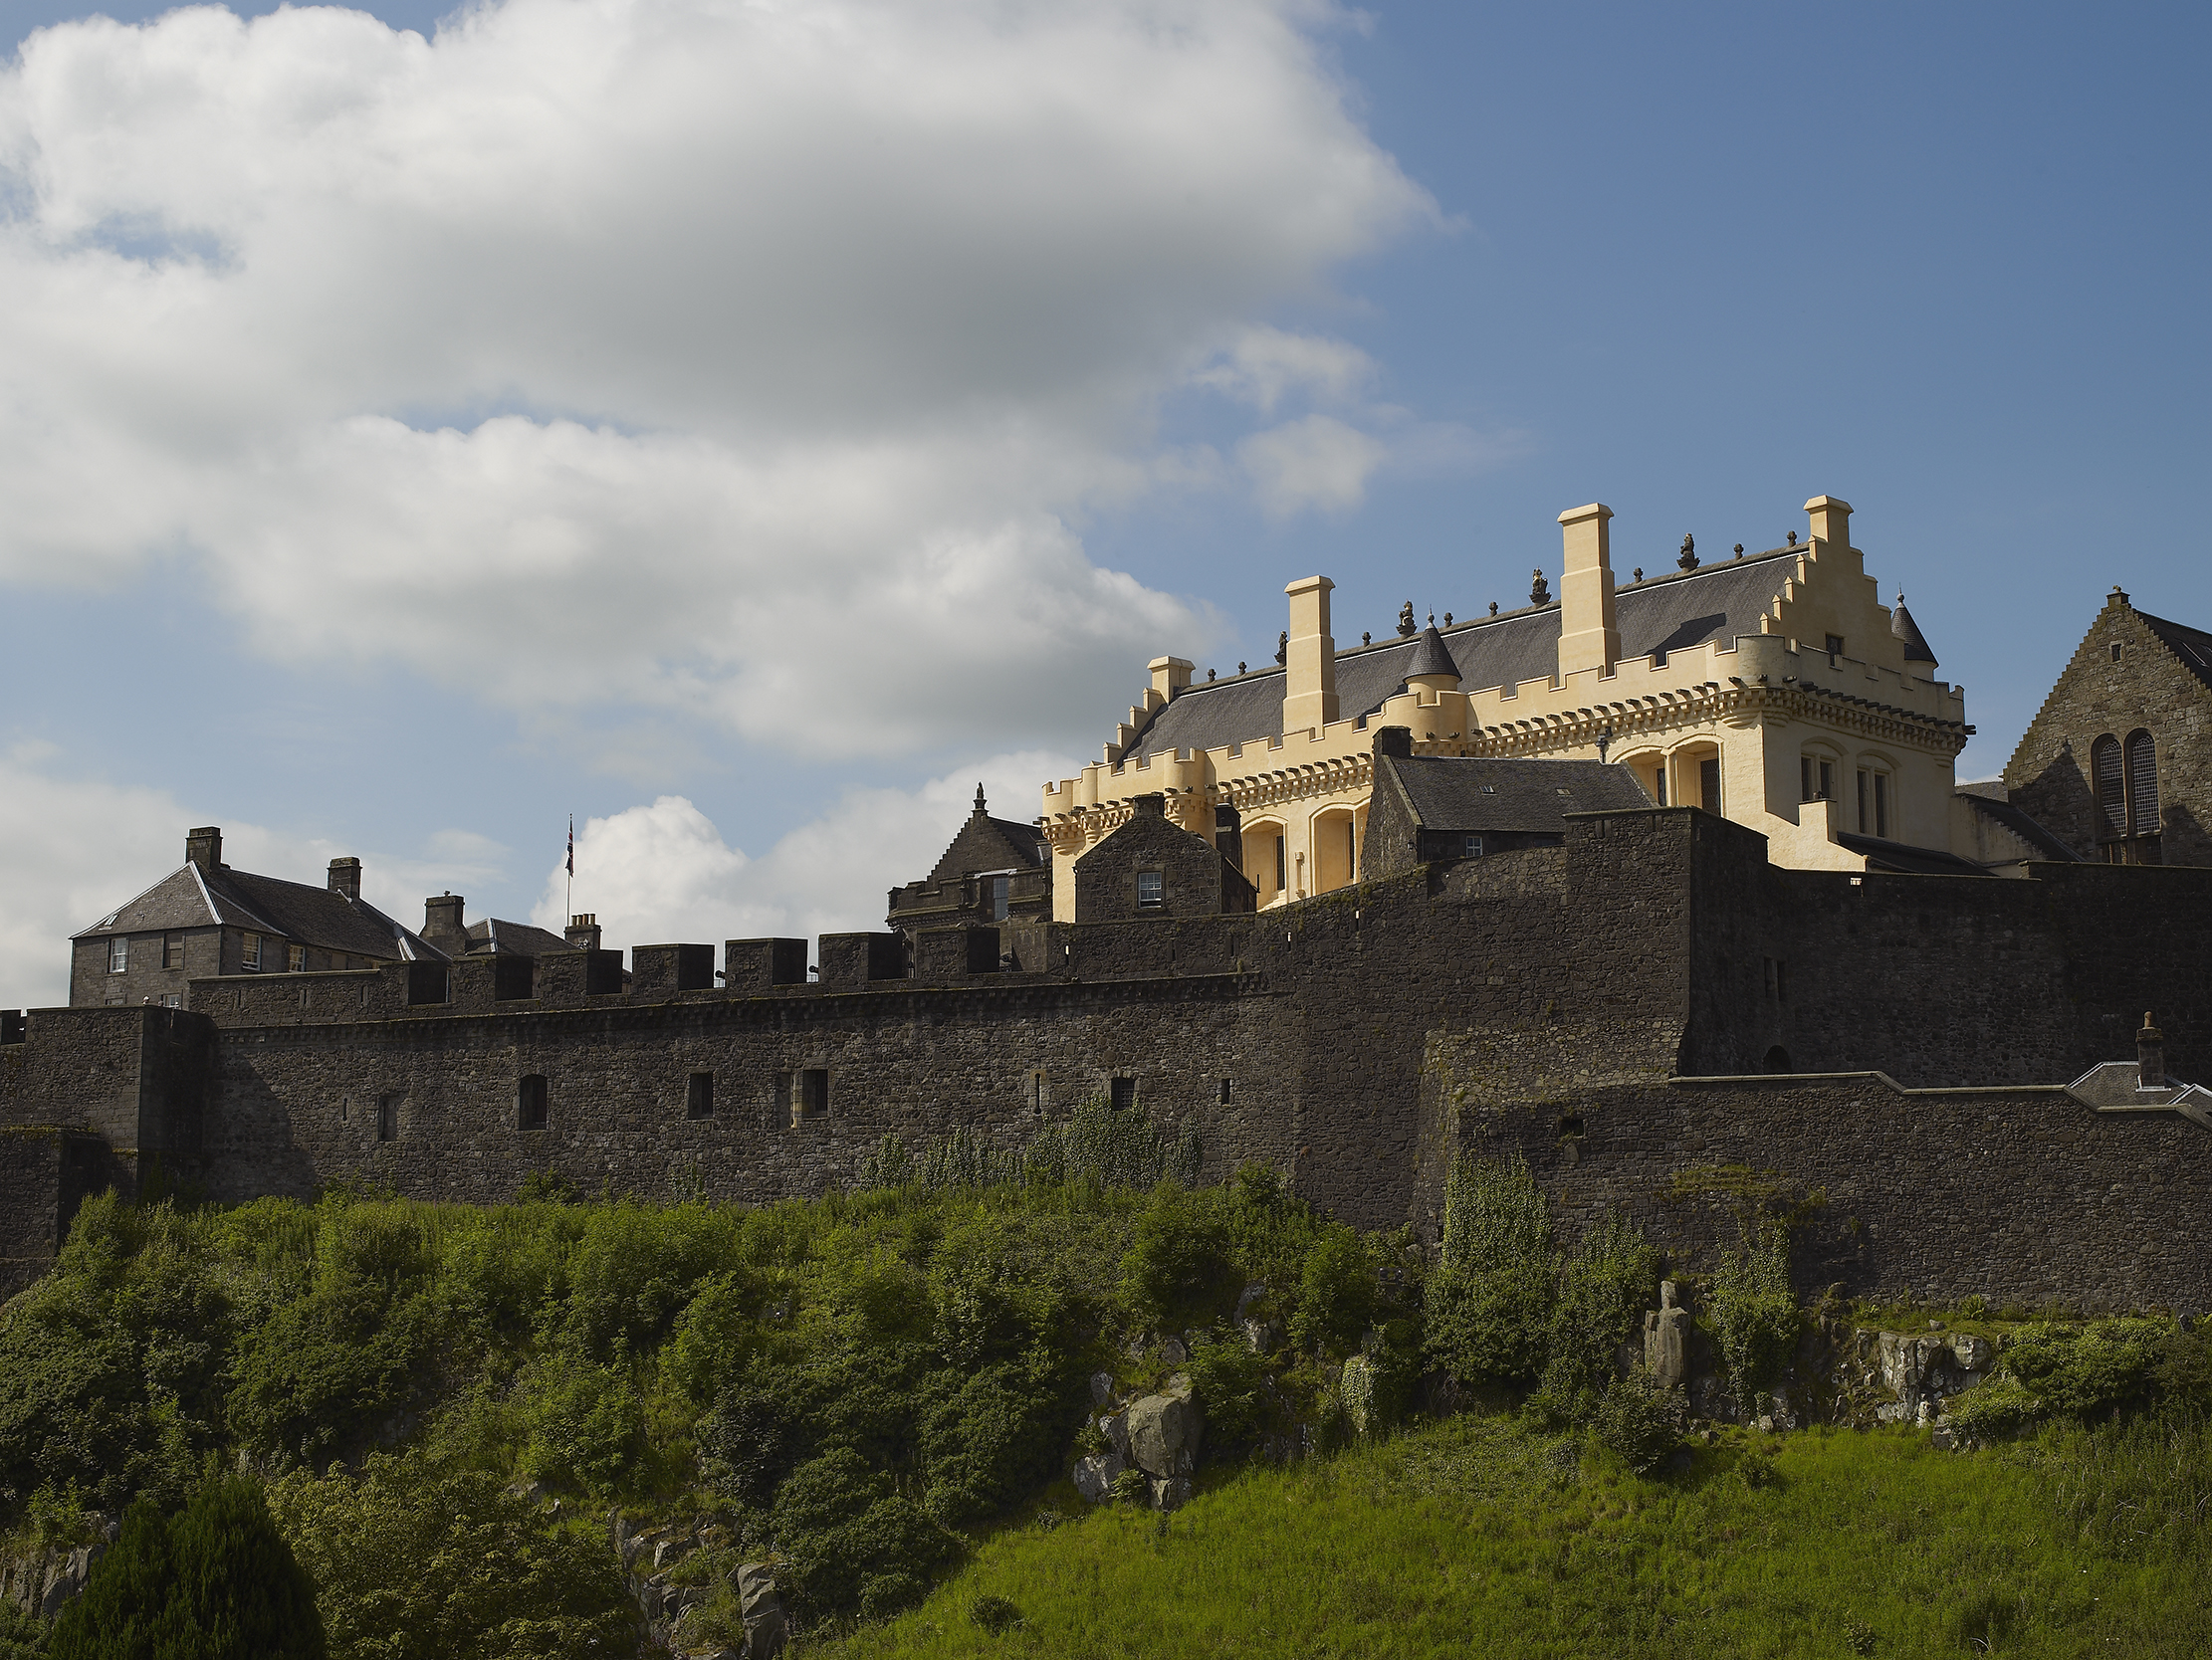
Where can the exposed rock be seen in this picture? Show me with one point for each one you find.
(1172, 1351)
(762, 1610)
(1171, 1494)
(1163, 1434)
(1094, 1476)
(1102, 1389)
(1666, 1339)
(45, 1581)
(1115, 1427)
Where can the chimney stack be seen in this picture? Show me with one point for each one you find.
(1309, 660)
(441, 923)
(345, 878)
(1154, 805)
(1589, 634)
(204, 848)
(1170, 676)
(583, 931)
(2150, 1056)
(1831, 516)
(1395, 741)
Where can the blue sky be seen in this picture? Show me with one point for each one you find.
(1698, 263)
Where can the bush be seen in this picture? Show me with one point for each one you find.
(1639, 1419)
(1336, 1292)
(1178, 1258)
(2051, 1369)
(217, 1583)
(1488, 1305)
(994, 1436)
(995, 1614)
(854, 1543)
(320, 1375)
(417, 1560)
(1604, 1285)
(1752, 1305)
(1230, 1386)
(585, 1426)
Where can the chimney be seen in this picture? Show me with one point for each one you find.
(583, 931)
(441, 923)
(2150, 1056)
(1309, 661)
(1589, 637)
(204, 848)
(1229, 835)
(1395, 741)
(1154, 805)
(1830, 517)
(1170, 676)
(345, 878)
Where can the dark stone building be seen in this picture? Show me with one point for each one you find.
(1435, 807)
(1153, 866)
(2117, 763)
(995, 871)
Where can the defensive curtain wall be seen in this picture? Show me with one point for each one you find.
(1609, 1007)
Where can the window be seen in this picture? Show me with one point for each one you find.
(1036, 1094)
(1826, 774)
(1471, 847)
(1122, 1094)
(2142, 784)
(1835, 649)
(529, 1101)
(172, 950)
(699, 1096)
(1658, 784)
(249, 951)
(2116, 651)
(1861, 801)
(1282, 864)
(1778, 979)
(806, 1094)
(1222, 1093)
(999, 886)
(1815, 779)
(1882, 804)
(2112, 787)
(296, 959)
(387, 1117)
(118, 954)
(1148, 891)
(1708, 783)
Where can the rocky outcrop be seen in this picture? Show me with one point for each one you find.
(1666, 1339)
(1157, 1436)
(46, 1580)
(652, 1559)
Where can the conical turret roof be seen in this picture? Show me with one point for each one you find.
(1432, 656)
(1905, 629)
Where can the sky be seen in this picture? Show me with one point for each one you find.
(748, 426)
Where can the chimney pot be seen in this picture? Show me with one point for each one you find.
(345, 878)
(1395, 741)
(204, 848)
(583, 932)
(2150, 1056)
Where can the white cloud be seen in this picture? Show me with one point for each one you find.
(1315, 462)
(740, 359)
(662, 873)
(78, 848)
(1266, 363)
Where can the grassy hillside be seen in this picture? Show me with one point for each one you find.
(1483, 1537)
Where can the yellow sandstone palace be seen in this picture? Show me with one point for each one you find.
(1773, 687)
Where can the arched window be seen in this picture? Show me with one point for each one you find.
(2112, 787)
(2142, 785)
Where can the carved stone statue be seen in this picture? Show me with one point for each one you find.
(1406, 620)
(1539, 592)
(1283, 647)
(1688, 559)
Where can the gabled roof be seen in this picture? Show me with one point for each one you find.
(2193, 645)
(493, 937)
(1901, 858)
(985, 843)
(1456, 793)
(1665, 614)
(323, 918)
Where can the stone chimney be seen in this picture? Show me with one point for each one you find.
(1588, 636)
(1170, 676)
(1831, 516)
(204, 848)
(583, 931)
(1309, 661)
(2150, 1056)
(345, 878)
(1154, 805)
(441, 923)
(1395, 741)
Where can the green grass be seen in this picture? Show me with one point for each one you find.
(1478, 1537)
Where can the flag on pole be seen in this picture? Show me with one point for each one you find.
(572, 844)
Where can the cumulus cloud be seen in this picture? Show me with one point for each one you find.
(744, 360)
(1317, 462)
(660, 873)
(91, 845)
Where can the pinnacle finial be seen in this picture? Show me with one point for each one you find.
(979, 798)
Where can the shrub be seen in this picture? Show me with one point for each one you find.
(319, 1375)
(584, 1422)
(1231, 1385)
(216, 1583)
(417, 1560)
(1752, 1305)
(1604, 1285)
(853, 1543)
(1495, 1215)
(744, 1445)
(1177, 1261)
(995, 1614)
(1489, 1307)
(1336, 1292)
(991, 1437)
(1640, 1419)
(2051, 1369)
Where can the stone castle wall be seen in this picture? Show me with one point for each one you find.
(1542, 998)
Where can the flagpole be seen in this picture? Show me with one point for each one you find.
(568, 914)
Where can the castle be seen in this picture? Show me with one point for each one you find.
(1545, 932)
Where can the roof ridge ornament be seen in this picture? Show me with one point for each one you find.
(979, 798)
(1406, 620)
(1688, 558)
(1539, 592)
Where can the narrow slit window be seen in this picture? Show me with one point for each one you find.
(1222, 1093)
(1882, 804)
(699, 1096)
(529, 1101)
(1658, 784)
(387, 1118)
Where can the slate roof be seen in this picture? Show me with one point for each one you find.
(1905, 629)
(2193, 645)
(493, 936)
(1900, 858)
(1456, 793)
(319, 916)
(1666, 613)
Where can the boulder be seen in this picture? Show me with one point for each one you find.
(1115, 1427)
(1102, 1389)
(1163, 1434)
(1171, 1494)
(1666, 1339)
(1172, 1351)
(762, 1610)
(1094, 1476)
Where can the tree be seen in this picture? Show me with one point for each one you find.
(218, 1582)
